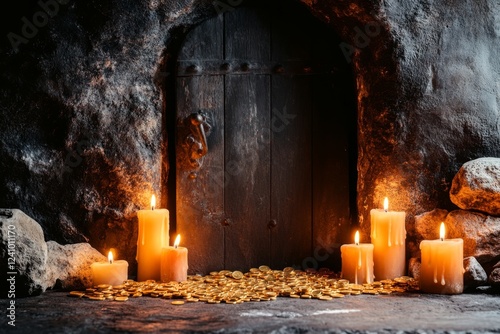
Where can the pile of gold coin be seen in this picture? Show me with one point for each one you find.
(258, 284)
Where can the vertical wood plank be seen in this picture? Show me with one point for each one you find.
(291, 146)
(334, 150)
(291, 170)
(247, 34)
(200, 202)
(291, 35)
(247, 197)
(205, 41)
(330, 172)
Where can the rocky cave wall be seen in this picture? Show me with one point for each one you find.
(83, 141)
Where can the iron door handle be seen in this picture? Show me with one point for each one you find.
(197, 138)
(195, 130)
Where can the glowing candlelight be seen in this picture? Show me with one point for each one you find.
(357, 261)
(109, 272)
(388, 236)
(153, 235)
(174, 262)
(442, 265)
(177, 241)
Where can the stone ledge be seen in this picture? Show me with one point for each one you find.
(55, 312)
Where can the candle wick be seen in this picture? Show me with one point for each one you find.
(442, 239)
(110, 261)
(152, 208)
(175, 246)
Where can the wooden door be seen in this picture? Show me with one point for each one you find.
(275, 187)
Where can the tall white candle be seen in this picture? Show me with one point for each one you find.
(153, 236)
(388, 236)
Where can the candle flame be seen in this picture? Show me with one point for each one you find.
(441, 231)
(153, 202)
(386, 204)
(177, 241)
(110, 257)
(356, 238)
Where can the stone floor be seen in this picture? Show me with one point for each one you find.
(55, 312)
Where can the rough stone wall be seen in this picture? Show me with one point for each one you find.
(448, 111)
(82, 131)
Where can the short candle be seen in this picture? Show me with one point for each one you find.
(174, 262)
(442, 269)
(388, 236)
(153, 236)
(110, 272)
(357, 261)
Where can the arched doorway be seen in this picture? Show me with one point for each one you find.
(277, 183)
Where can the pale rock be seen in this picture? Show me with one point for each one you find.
(494, 278)
(474, 274)
(24, 237)
(476, 186)
(68, 266)
(480, 232)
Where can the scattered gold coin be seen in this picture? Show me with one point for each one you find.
(97, 298)
(77, 294)
(258, 284)
(237, 274)
(177, 302)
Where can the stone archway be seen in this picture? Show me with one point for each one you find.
(112, 155)
(82, 145)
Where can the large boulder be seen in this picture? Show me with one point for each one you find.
(68, 266)
(427, 224)
(23, 254)
(480, 232)
(34, 265)
(476, 186)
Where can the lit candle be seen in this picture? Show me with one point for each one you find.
(152, 237)
(357, 261)
(442, 269)
(110, 272)
(174, 262)
(388, 236)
